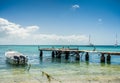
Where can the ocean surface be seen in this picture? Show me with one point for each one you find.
(60, 70)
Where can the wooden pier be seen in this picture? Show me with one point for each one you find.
(56, 53)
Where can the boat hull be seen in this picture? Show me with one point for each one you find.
(16, 58)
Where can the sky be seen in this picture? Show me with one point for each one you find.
(63, 22)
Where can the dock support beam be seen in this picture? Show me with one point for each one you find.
(77, 56)
(59, 54)
(108, 59)
(67, 55)
(87, 56)
(102, 58)
(41, 53)
(53, 54)
(56, 52)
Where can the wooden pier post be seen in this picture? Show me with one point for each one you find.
(108, 59)
(56, 52)
(53, 54)
(77, 56)
(59, 54)
(87, 56)
(102, 58)
(41, 53)
(67, 55)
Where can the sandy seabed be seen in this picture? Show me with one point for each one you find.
(38, 78)
(62, 74)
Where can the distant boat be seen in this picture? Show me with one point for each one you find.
(14, 57)
(116, 42)
(90, 44)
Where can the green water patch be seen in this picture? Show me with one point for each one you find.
(64, 72)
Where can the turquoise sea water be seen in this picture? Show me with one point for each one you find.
(70, 71)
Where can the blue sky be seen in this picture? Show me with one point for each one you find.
(59, 21)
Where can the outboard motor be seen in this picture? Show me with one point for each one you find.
(17, 59)
(22, 59)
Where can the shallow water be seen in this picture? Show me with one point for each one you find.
(61, 70)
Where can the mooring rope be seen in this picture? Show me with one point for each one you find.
(49, 77)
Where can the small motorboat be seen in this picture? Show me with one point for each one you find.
(14, 57)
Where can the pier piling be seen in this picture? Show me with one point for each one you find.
(53, 54)
(58, 55)
(87, 56)
(77, 56)
(67, 55)
(108, 58)
(102, 58)
(41, 53)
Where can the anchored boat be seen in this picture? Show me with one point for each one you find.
(14, 57)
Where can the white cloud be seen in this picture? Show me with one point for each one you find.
(11, 33)
(32, 28)
(75, 6)
(11, 29)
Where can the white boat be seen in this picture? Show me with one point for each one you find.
(14, 57)
(89, 42)
(116, 42)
